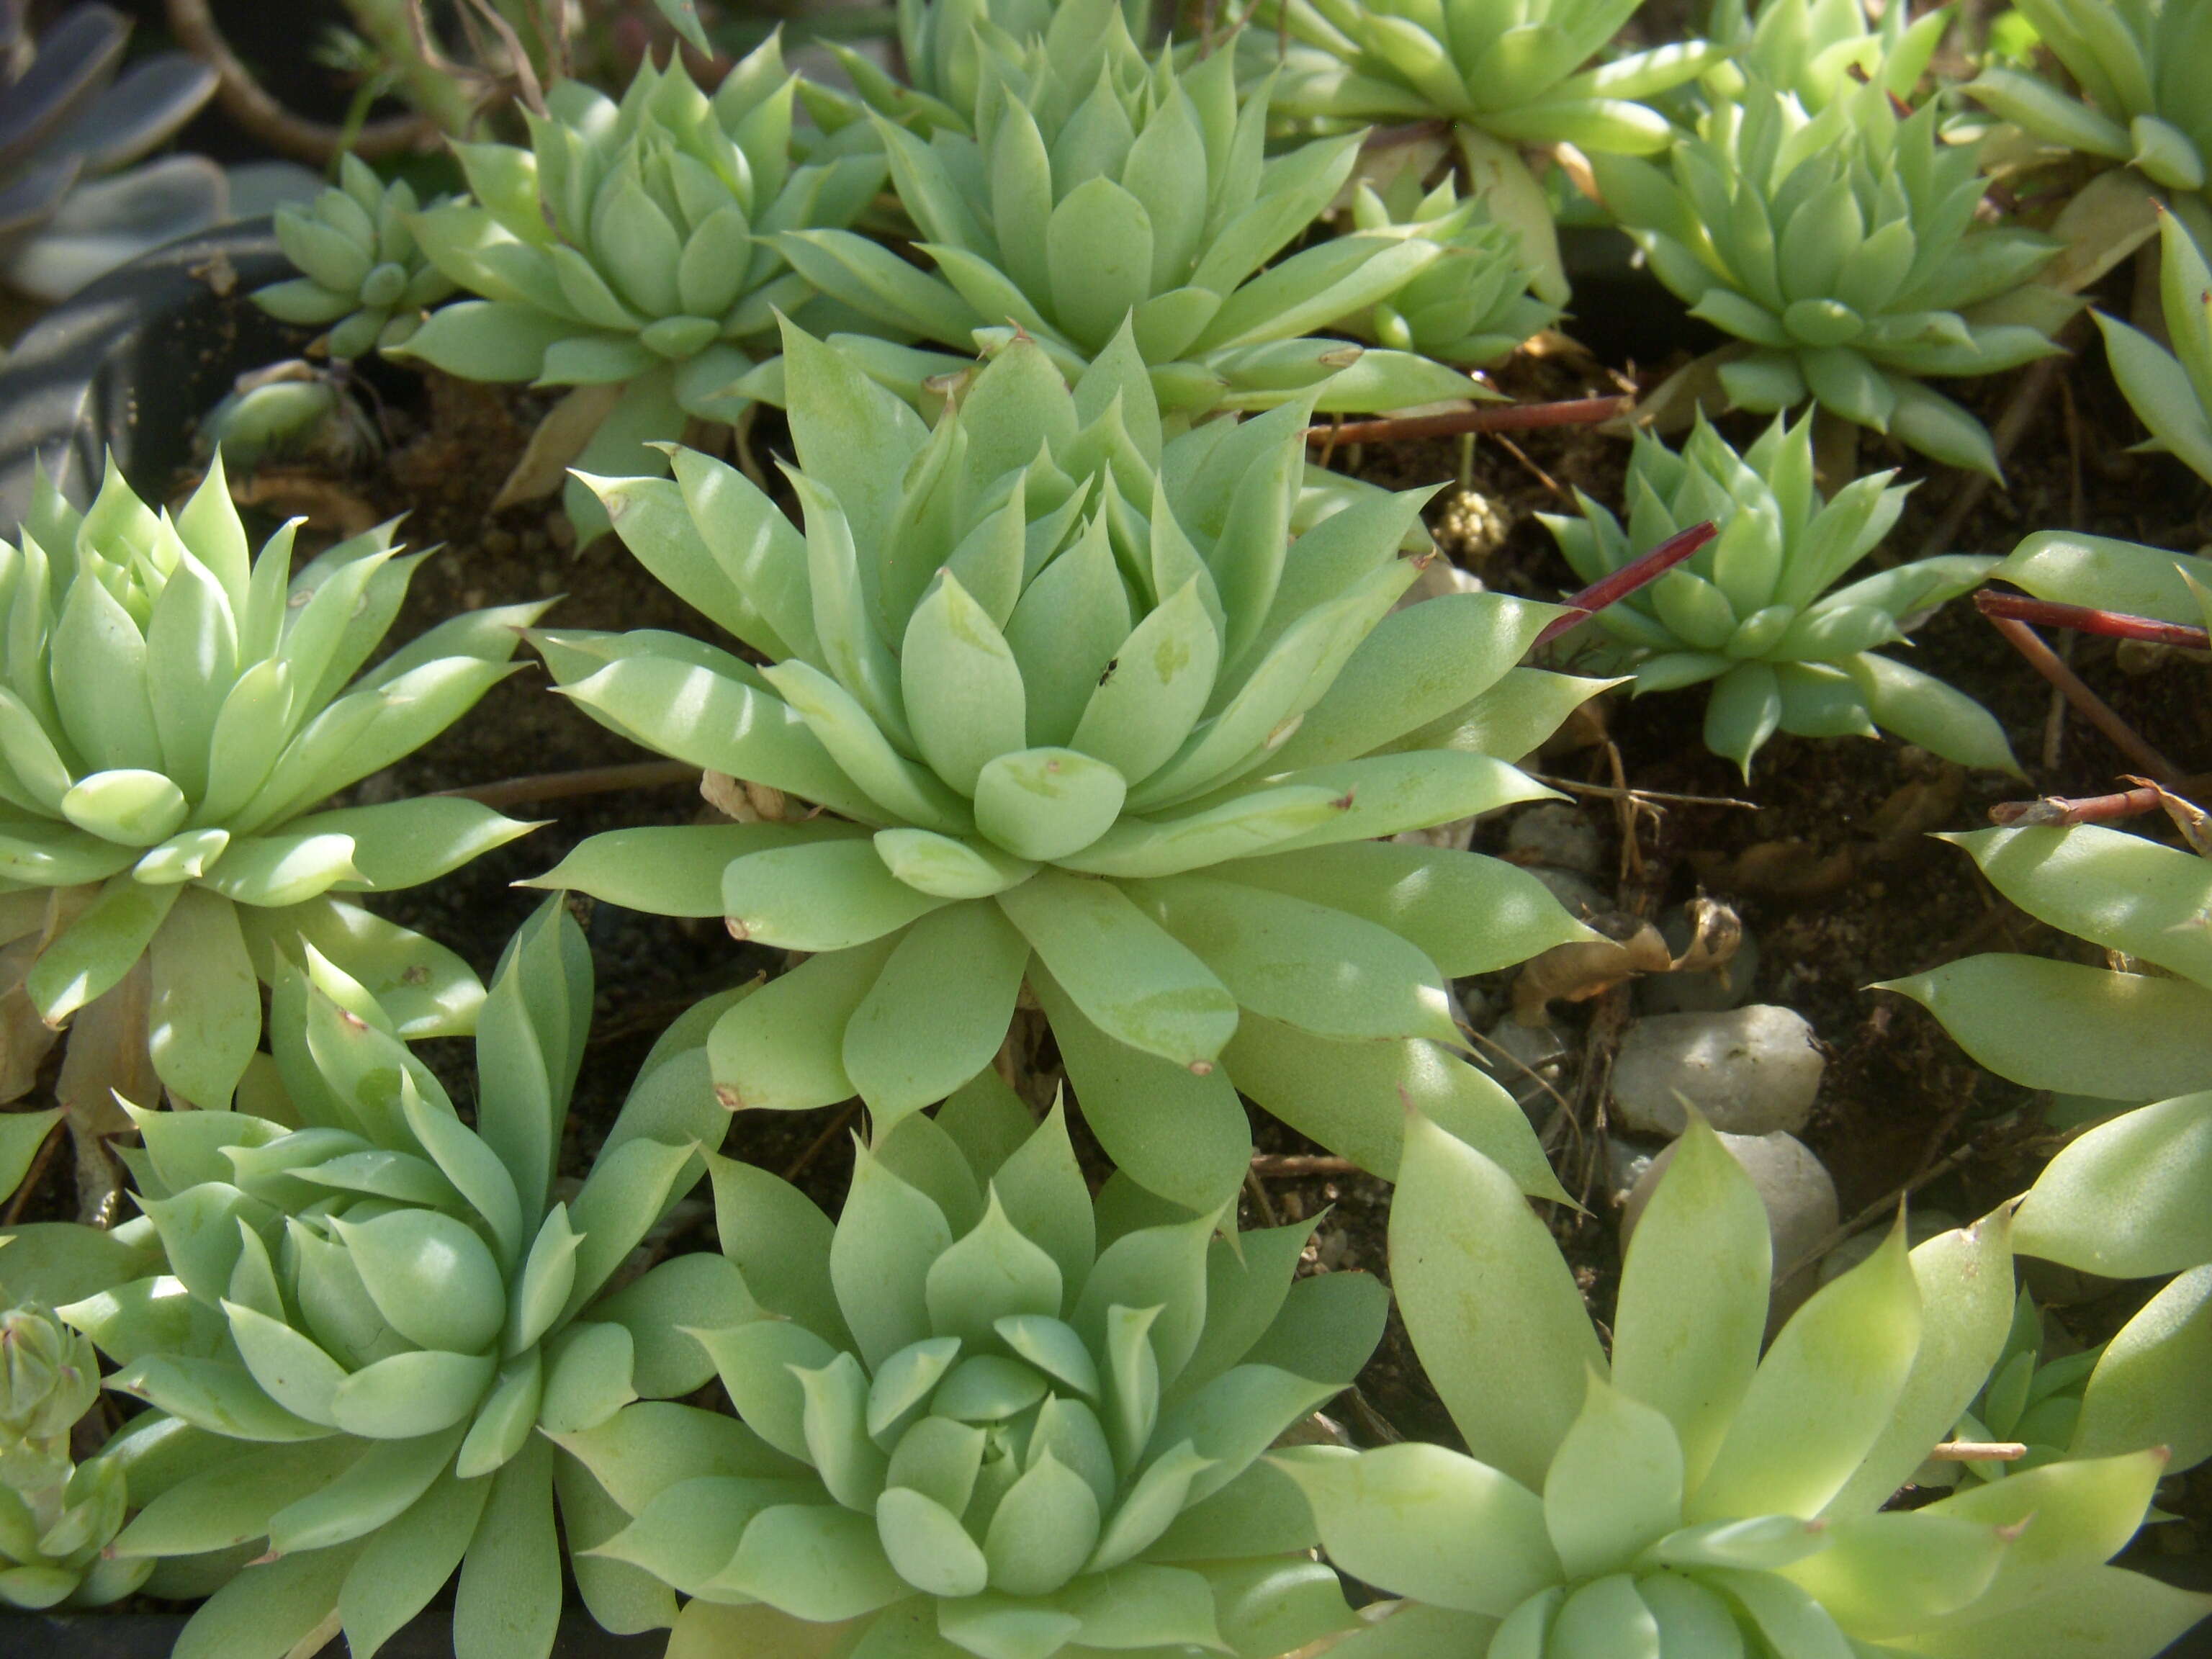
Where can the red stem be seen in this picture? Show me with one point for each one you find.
(1631, 576)
(2117, 624)
(2061, 811)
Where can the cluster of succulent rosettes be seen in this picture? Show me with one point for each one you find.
(1099, 188)
(634, 243)
(1821, 49)
(56, 1515)
(1689, 1495)
(1506, 73)
(173, 707)
(977, 1417)
(1079, 712)
(1471, 305)
(1753, 613)
(2138, 68)
(371, 1308)
(1842, 247)
(2170, 386)
(361, 271)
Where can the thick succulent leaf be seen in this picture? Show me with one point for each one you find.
(1047, 804)
(1180, 1133)
(783, 1048)
(266, 1610)
(401, 1568)
(1965, 1315)
(1821, 1397)
(2129, 1199)
(1128, 976)
(2094, 1613)
(1693, 1293)
(1615, 1484)
(1428, 1523)
(938, 1012)
(2069, 1028)
(204, 1019)
(1489, 1302)
(2144, 1391)
(821, 896)
(2115, 890)
(2117, 575)
(1468, 914)
(675, 870)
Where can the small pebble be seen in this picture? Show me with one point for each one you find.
(1751, 1070)
(1556, 835)
(1707, 993)
(1625, 1161)
(1800, 1198)
(1454, 837)
(1438, 577)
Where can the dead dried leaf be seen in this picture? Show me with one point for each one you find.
(1671, 405)
(1583, 969)
(2194, 822)
(2108, 219)
(554, 446)
(106, 1058)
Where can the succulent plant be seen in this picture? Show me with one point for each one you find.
(1506, 73)
(1098, 188)
(65, 118)
(56, 1515)
(1841, 247)
(940, 44)
(1473, 305)
(1689, 1495)
(632, 245)
(2131, 1197)
(373, 1307)
(2028, 1400)
(1822, 48)
(1753, 614)
(2138, 69)
(361, 271)
(1078, 713)
(172, 710)
(2171, 390)
(977, 1418)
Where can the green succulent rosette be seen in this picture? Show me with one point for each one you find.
(2131, 1197)
(172, 709)
(1507, 74)
(1821, 50)
(361, 271)
(1689, 1494)
(2137, 101)
(977, 1417)
(1078, 714)
(57, 1516)
(632, 245)
(1099, 188)
(1841, 247)
(371, 1307)
(941, 46)
(2170, 386)
(1753, 613)
(2028, 1400)
(1471, 305)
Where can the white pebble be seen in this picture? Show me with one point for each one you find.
(1751, 1070)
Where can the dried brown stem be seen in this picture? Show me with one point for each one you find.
(2062, 812)
(315, 142)
(566, 786)
(2091, 707)
(1489, 417)
(35, 1174)
(1979, 1451)
(1637, 572)
(1611, 793)
(1293, 1164)
(798, 1165)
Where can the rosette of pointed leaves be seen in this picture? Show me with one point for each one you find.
(1822, 48)
(632, 245)
(975, 1418)
(2132, 1197)
(2139, 68)
(1098, 188)
(56, 1517)
(1506, 73)
(361, 271)
(2028, 1400)
(2172, 389)
(1687, 1495)
(1842, 246)
(1753, 613)
(371, 1307)
(1472, 305)
(172, 709)
(940, 42)
(1080, 715)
